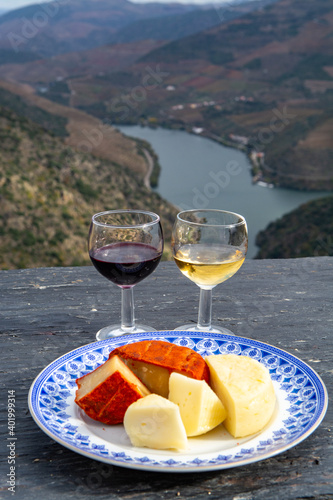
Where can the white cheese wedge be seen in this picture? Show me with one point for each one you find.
(245, 388)
(200, 408)
(155, 422)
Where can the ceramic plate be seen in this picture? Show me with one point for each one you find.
(300, 407)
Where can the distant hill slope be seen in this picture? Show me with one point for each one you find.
(49, 192)
(306, 231)
(83, 132)
(52, 76)
(167, 28)
(48, 29)
(53, 123)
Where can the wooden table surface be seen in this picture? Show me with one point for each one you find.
(45, 313)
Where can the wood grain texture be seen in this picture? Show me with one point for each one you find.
(47, 312)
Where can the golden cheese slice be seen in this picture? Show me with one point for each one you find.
(200, 408)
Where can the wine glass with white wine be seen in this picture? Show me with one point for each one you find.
(208, 246)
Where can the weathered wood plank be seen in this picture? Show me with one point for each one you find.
(45, 313)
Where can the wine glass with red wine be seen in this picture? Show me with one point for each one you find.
(125, 246)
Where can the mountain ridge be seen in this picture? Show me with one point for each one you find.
(48, 29)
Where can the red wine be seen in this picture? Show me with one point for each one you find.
(125, 264)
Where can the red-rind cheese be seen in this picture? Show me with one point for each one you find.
(107, 392)
(142, 357)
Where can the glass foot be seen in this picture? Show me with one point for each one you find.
(212, 329)
(109, 332)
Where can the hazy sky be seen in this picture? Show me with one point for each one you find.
(14, 4)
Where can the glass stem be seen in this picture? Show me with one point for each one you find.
(205, 308)
(127, 309)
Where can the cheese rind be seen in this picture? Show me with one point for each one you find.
(153, 361)
(155, 422)
(106, 392)
(245, 388)
(200, 408)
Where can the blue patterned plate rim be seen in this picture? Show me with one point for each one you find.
(302, 402)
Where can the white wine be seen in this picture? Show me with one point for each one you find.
(209, 265)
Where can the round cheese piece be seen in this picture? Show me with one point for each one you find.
(246, 390)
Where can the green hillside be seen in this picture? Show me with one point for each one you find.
(304, 232)
(49, 192)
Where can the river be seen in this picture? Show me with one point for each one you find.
(199, 173)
